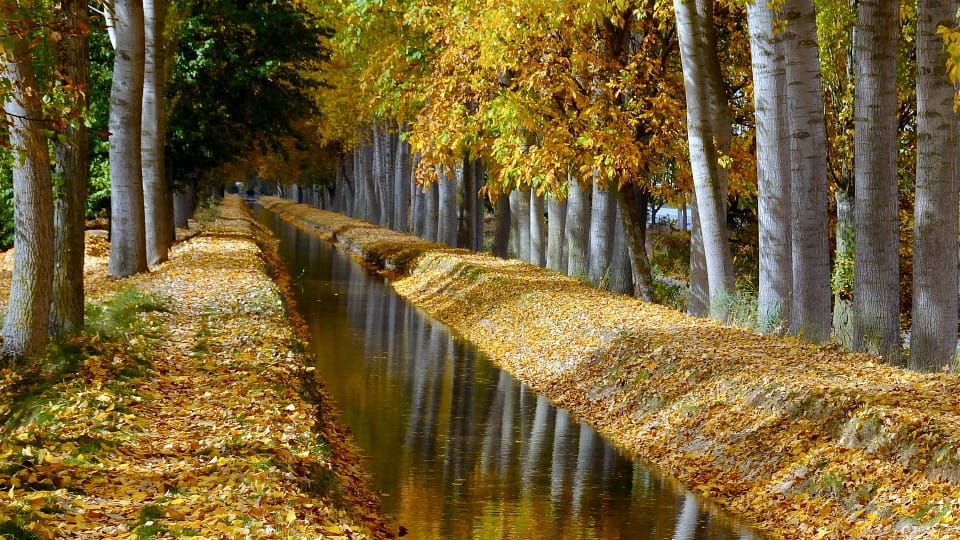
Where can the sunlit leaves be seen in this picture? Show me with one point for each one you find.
(805, 441)
(186, 421)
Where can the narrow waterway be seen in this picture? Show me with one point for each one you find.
(459, 448)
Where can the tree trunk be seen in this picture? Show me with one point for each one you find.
(522, 210)
(447, 212)
(876, 281)
(183, 205)
(843, 295)
(538, 254)
(501, 232)
(66, 314)
(933, 339)
(621, 272)
(698, 292)
(128, 250)
(158, 223)
(472, 205)
(602, 216)
(773, 178)
(711, 200)
(633, 211)
(31, 291)
(431, 217)
(578, 227)
(403, 180)
(810, 308)
(556, 223)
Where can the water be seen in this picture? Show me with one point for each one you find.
(459, 448)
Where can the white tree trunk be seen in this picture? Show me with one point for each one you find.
(556, 223)
(773, 178)
(538, 236)
(711, 200)
(158, 221)
(578, 227)
(128, 252)
(602, 215)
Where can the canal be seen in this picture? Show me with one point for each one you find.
(457, 447)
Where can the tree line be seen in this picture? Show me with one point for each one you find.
(833, 123)
(143, 100)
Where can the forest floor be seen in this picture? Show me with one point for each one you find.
(186, 408)
(800, 440)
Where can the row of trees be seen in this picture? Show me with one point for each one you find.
(183, 76)
(527, 107)
(551, 100)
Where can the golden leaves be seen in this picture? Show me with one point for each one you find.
(194, 428)
(805, 441)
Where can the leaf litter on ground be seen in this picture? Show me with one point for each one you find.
(801, 440)
(185, 409)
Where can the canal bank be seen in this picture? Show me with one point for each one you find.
(803, 441)
(457, 447)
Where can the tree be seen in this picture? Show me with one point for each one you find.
(810, 310)
(72, 166)
(775, 284)
(876, 280)
(703, 150)
(26, 323)
(128, 254)
(158, 203)
(933, 338)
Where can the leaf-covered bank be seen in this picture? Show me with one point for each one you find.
(803, 441)
(180, 411)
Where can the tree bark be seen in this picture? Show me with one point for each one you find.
(403, 180)
(72, 161)
(578, 227)
(810, 308)
(27, 321)
(447, 212)
(158, 222)
(711, 201)
(775, 287)
(602, 216)
(556, 223)
(633, 211)
(876, 280)
(501, 233)
(538, 254)
(128, 250)
(933, 339)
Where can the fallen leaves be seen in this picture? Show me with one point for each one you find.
(186, 420)
(804, 441)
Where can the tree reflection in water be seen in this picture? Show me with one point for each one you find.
(457, 446)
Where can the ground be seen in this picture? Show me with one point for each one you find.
(801, 440)
(187, 408)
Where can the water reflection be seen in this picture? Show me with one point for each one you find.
(457, 446)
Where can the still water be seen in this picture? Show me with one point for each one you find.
(458, 448)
